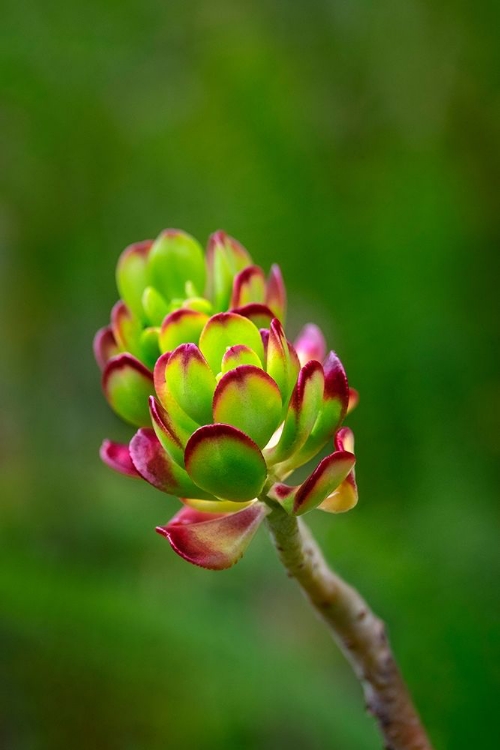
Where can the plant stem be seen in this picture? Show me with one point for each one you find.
(360, 635)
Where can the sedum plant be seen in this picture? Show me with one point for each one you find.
(226, 408)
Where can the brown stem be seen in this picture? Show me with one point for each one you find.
(359, 633)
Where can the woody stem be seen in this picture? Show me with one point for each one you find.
(359, 633)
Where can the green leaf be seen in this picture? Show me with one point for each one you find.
(132, 275)
(159, 469)
(225, 462)
(155, 306)
(301, 415)
(182, 326)
(225, 330)
(326, 478)
(239, 355)
(175, 259)
(191, 382)
(127, 385)
(250, 400)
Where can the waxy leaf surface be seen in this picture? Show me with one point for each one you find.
(175, 259)
(156, 466)
(191, 382)
(225, 462)
(127, 385)
(213, 541)
(225, 330)
(327, 476)
(183, 326)
(250, 400)
(117, 457)
(132, 275)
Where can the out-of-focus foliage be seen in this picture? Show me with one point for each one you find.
(356, 144)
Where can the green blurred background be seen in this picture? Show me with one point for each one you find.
(357, 144)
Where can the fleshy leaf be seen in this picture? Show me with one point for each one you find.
(344, 498)
(248, 286)
(191, 382)
(181, 423)
(302, 413)
(353, 400)
(156, 466)
(105, 346)
(225, 330)
(117, 457)
(213, 541)
(225, 258)
(214, 506)
(260, 315)
(149, 348)
(131, 275)
(331, 413)
(344, 440)
(175, 259)
(310, 344)
(155, 306)
(128, 384)
(280, 366)
(165, 431)
(181, 327)
(326, 478)
(225, 462)
(127, 328)
(275, 297)
(250, 400)
(198, 304)
(239, 355)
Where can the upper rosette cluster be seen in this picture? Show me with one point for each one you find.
(229, 408)
(157, 279)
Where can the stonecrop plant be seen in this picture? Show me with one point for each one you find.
(226, 408)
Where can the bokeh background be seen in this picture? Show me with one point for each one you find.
(357, 144)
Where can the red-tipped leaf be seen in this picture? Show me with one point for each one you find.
(105, 346)
(117, 457)
(213, 541)
(127, 385)
(156, 466)
(310, 344)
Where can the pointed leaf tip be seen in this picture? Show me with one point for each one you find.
(310, 344)
(326, 478)
(275, 297)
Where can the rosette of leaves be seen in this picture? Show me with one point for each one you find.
(172, 275)
(230, 409)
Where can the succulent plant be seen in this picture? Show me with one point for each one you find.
(227, 408)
